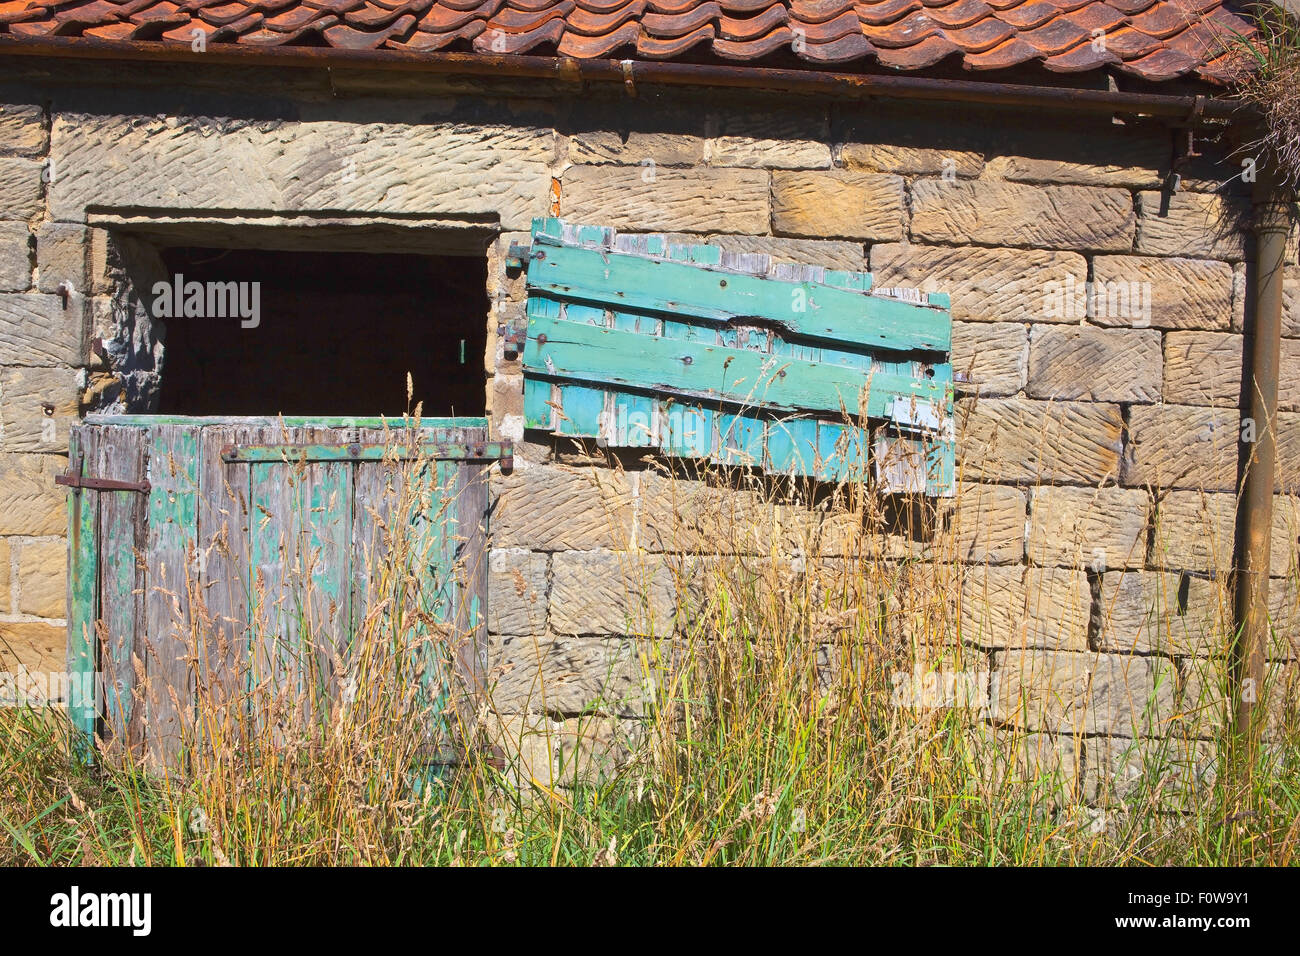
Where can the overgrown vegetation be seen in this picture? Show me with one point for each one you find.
(790, 719)
(1265, 71)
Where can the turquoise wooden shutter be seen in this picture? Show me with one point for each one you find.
(727, 357)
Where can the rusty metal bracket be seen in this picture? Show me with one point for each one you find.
(517, 255)
(101, 484)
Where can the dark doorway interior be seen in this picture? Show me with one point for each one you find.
(336, 335)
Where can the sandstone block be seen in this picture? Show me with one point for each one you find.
(681, 200)
(516, 591)
(1012, 606)
(1088, 528)
(994, 213)
(550, 508)
(1101, 365)
(1021, 440)
(1083, 693)
(1192, 225)
(986, 285)
(831, 205)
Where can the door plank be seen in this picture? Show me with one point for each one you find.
(83, 572)
(174, 473)
(123, 523)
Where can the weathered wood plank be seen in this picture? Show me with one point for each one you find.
(223, 518)
(83, 571)
(123, 530)
(563, 349)
(173, 472)
(805, 309)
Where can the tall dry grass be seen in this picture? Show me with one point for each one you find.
(796, 710)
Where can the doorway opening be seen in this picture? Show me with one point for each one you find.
(323, 333)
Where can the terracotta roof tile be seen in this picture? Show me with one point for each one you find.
(846, 49)
(919, 55)
(909, 31)
(653, 48)
(1151, 39)
(672, 25)
(753, 49)
(1003, 56)
(1029, 15)
(1085, 55)
(962, 13)
(753, 27)
(589, 24)
(885, 11)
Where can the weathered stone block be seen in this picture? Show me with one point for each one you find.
(562, 674)
(5, 580)
(1128, 160)
(1101, 365)
(37, 407)
(1206, 695)
(988, 524)
(1194, 532)
(20, 189)
(42, 578)
(1083, 693)
(1048, 762)
(636, 148)
(1182, 446)
(22, 129)
(551, 508)
(678, 514)
(1025, 607)
(460, 169)
(517, 589)
(15, 257)
(832, 254)
(994, 355)
(1204, 368)
(986, 285)
(795, 139)
(1164, 293)
(1020, 440)
(1193, 225)
(545, 753)
(37, 328)
(30, 502)
(911, 160)
(42, 649)
(612, 592)
(1169, 773)
(1155, 612)
(61, 249)
(838, 204)
(1088, 528)
(994, 213)
(681, 200)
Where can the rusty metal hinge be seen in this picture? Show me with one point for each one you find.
(101, 484)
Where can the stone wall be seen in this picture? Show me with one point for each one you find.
(1097, 458)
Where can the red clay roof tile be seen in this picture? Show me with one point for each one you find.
(1152, 39)
(588, 24)
(962, 13)
(779, 38)
(751, 28)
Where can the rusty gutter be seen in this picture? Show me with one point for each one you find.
(632, 74)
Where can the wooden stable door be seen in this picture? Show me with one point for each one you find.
(212, 559)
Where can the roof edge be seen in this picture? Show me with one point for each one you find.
(1187, 108)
